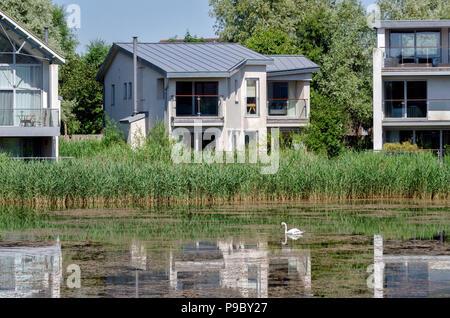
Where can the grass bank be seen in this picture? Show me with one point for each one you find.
(116, 175)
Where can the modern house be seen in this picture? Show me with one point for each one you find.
(29, 102)
(224, 86)
(412, 83)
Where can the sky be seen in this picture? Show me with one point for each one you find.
(150, 20)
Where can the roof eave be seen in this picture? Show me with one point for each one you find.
(399, 24)
(294, 72)
(198, 74)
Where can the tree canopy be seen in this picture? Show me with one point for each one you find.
(333, 34)
(79, 84)
(414, 9)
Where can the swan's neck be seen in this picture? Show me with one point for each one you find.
(285, 228)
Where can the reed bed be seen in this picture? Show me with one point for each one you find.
(116, 175)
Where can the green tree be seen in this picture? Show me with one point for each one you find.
(79, 84)
(189, 38)
(345, 77)
(328, 126)
(38, 14)
(414, 9)
(96, 53)
(334, 34)
(272, 41)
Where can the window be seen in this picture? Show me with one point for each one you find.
(416, 46)
(197, 98)
(184, 99)
(113, 95)
(405, 99)
(281, 99)
(125, 91)
(160, 88)
(20, 84)
(252, 108)
(130, 90)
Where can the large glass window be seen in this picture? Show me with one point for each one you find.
(417, 99)
(6, 106)
(252, 97)
(282, 99)
(410, 103)
(28, 77)
(416, 47)
(6, 56)
(399, 136)
(207, 100)
(197, 99)
(6, 77)
(20, 86)
(184, 99)
(428, 139)
(394, 94)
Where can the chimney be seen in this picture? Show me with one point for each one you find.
(46, 34)
(135, 101)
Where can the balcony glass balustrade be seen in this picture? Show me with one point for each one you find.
(42, 117)
(295, 108)
(197, 105)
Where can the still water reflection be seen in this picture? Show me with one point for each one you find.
(30, 271)
(227, 252)
(216, 269)
(222, 268)
(401, 276)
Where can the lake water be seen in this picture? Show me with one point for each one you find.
(360, 249)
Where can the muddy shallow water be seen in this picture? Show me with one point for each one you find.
(363, 249)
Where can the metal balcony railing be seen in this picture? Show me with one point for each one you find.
(293, 107)
(43, 117)
(417, 56)
(197, 105)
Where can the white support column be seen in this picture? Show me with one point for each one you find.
(54, 103)
(378, 57)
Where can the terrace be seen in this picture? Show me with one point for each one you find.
(29, 122)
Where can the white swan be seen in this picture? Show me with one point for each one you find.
(292, 232)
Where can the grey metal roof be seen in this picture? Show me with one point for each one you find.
(203, 59)
(400, 24)
(294, 63)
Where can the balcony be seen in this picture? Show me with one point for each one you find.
(29, 122)
(417, 111)
(287, 112)
(417, 58)
(191, 109)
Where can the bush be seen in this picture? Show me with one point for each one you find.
(112, 134)
(400, 147)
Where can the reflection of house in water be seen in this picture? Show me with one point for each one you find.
(246, 270)
(134, 276)
(410, 276)
(30, 271)
(210, 269)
